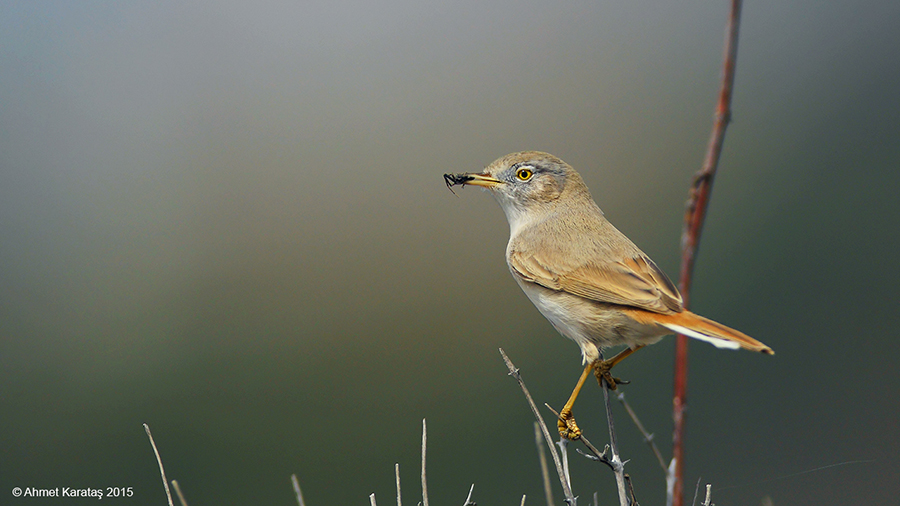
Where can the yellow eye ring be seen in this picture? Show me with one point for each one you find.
(524, 174)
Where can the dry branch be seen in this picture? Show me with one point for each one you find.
(707, 501)
(469, 501)
(514, 372)
(296, 483)
(615, 461)
(545, 469)
(178, 493)
(162, 472)
(397, 476)
(424, 480)
(695, 214)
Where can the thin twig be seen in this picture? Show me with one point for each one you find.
(162, 472)
(545, 469)
(296, 483)
(523, 501)
(178, 493)
(701, 187)
(706, 502)
(628, 482)
(595, 454)
(648, 437)
(469, 497)
(514, 372)
(397, 475)
(563, 445)
(424, 481)
(696, 491)
(617, 464)
(613, 461)
(695, 214)
(670, 483)
(807, 471)
(372, 499)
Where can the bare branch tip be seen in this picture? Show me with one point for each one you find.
(162, 471)
(707, 501)
(555, 412)
(296, 484)
(178, 493)
(469, 497)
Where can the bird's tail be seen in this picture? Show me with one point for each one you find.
(704, 329)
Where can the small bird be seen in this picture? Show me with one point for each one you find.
(593, 284)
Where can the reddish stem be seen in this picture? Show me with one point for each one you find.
(695, 214)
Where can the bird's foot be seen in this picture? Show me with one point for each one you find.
(601, 371)
(568, 429)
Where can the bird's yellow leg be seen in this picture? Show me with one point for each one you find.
(566, 423)
(602, 367)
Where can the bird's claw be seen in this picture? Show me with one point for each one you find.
(601, 371)
(568, 429)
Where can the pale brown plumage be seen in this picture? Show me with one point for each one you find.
(589, 280)
(585, 276)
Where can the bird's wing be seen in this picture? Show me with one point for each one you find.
(634, 281)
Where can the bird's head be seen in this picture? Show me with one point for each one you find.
(526, 182)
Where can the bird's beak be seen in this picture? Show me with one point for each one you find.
(484, 180)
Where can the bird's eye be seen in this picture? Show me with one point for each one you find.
(524, 174)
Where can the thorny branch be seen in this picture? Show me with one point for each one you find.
(514, 372)
(623, 481)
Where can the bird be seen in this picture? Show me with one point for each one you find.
(593, 284)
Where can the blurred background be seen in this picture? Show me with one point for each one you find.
(227, 220)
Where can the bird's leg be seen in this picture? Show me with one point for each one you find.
(566, 423)
(602, 367)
